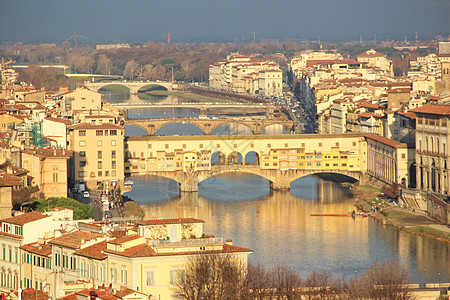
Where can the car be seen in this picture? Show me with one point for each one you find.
(86, 194)
(108, 214)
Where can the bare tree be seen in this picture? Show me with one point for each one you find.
(387, 280)
(212, 276)
(132, 69)
(260, 282)
(104, 65)
(287, 282)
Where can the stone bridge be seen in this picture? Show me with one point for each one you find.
(279, 179)
(208, 124)
(134, 87)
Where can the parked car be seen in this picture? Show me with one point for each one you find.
(86, 194)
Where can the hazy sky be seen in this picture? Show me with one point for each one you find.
(213, 20)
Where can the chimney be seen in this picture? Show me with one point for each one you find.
(229, 242)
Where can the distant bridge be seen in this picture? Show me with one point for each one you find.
(209, 124)
(134, 87)
(197, 105)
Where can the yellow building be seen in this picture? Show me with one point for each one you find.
(152, 265)
(49, 169)
(98, 154)
(79, 100)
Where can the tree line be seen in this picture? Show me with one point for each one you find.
(219, 276)
(185, 62)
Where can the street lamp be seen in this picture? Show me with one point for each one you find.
(172, 74)
(425, 277)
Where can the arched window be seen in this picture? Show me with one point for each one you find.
(420, 146)
(432, 145)
(426, 143)
(443, 149)
(437, 145)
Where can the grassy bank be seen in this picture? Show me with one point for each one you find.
(367, 197)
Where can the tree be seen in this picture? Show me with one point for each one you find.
(104, 65)
(212, 276)
(80, 211)
(286, 282)
(132, 69)
(23, 195)
(385, 280)
(147, 73)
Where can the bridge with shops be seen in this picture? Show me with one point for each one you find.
(279, 158)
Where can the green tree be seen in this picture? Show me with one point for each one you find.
(80, 211)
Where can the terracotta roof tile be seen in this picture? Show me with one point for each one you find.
(142, 250)
(433, 110)
(385, 140)
(75, 239)
(124, 239)
(95, 251)
(36, 248)
(25, 218)
(32, 294)
(59, 120)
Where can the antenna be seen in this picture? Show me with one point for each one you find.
(75, 38)
(168, 38)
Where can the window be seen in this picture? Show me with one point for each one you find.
(113, 142)
(113, 173)
(200, 146)
(113, 164)
(113, 154)
(82, 174)
(234, 145)
(82, 143)
(82, 133)
(123, 276)
(106, 132)
(176, 276)
(55, 177)
(99, 154)
(82, 153)
(99, 132)
(99, 143)
(150, 277)
(106, 173)
(184, 146)
(100, 165)
(100, 174)
(286, 145)
(337, 144)
(113, 132)
(269, 145)
(403, 155)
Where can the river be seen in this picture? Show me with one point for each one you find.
(278, 227)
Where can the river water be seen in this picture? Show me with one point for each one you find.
(278, 227)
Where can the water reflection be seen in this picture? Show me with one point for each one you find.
(279, 228)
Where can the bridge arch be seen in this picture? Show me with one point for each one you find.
(185, 124)
(234, 158)
(343, 176)
(252, 158)
(266, 128)
(218, 158)
(114, 87)
(151, 88)
(231, 122)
